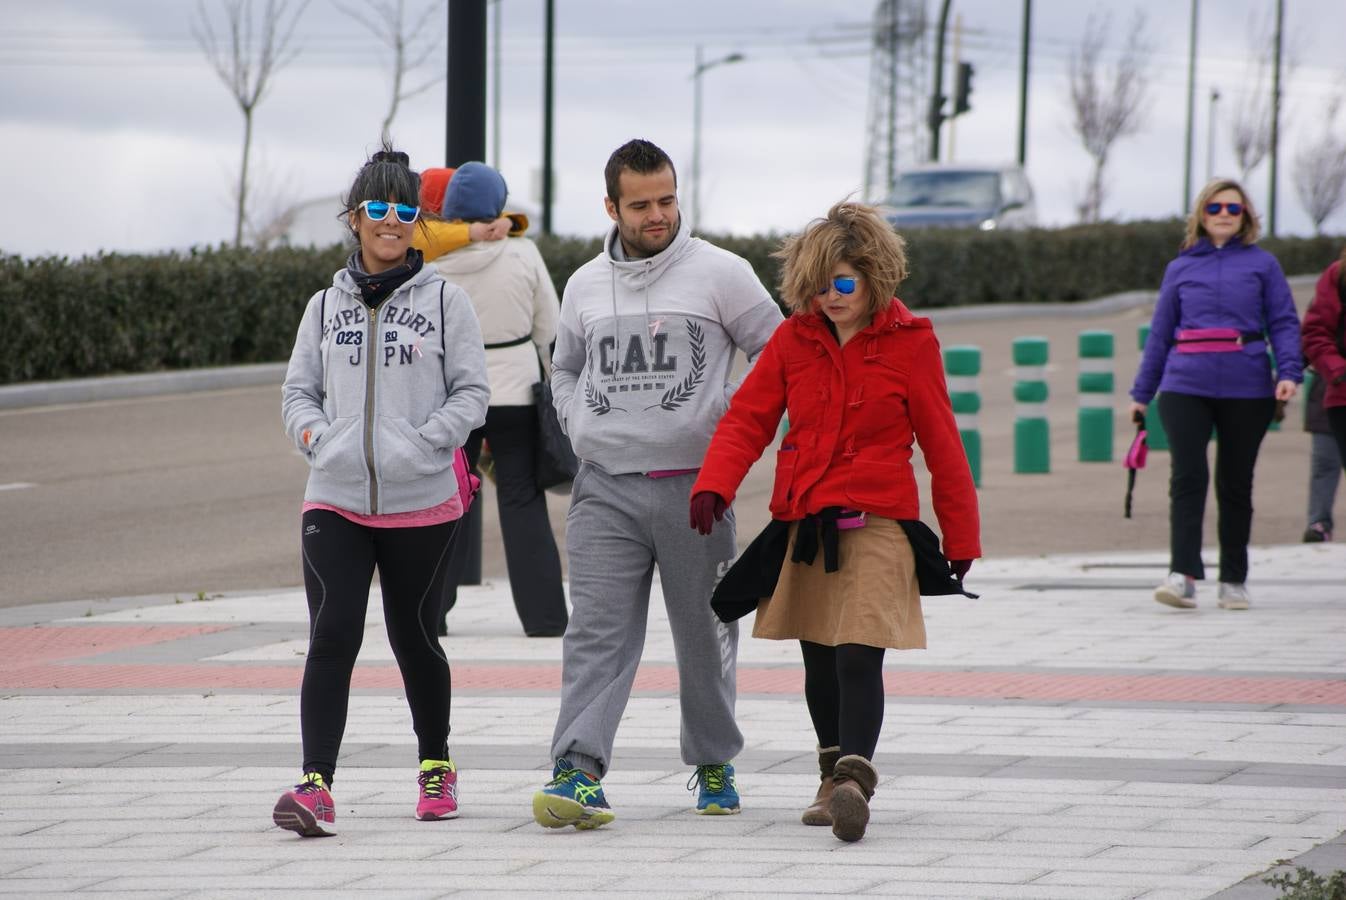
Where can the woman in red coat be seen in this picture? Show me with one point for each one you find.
(1324, 336)
(862, 380)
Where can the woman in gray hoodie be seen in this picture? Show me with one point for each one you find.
(386, 381)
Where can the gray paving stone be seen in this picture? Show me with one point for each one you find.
(32, 887)
(999, 891)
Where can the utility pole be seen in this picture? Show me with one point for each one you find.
(1191, 113)
(1275, 119)
(465, 113)
(495, 86)
(957, 59)
(548, 99)
(937, 95)
(1023, 81)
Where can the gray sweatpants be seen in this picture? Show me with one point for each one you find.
(618, 528)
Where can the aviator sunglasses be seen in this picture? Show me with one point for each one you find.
(1234, 209)
(845, 284)
(377, 210)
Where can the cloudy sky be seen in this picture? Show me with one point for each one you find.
(116, 135)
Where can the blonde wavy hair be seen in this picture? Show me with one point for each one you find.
(1249, 229)
(852, 233)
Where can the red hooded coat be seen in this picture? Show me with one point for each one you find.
(1321, 332)
(854, 413)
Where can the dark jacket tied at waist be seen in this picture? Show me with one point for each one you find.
(753, 576)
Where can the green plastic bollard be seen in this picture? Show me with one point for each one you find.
(1096, 396)
(962, 365)
(1032, 434)
(1156, 437)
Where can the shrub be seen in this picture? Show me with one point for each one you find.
(209, 307)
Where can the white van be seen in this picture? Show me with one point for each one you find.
(958, 195)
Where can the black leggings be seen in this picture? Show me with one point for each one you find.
(1239, 427)
(339, 561)
(843, 687)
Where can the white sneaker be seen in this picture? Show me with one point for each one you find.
(1234, 596)
(1177, 590)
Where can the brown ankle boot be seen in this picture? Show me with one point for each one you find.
(817, 813)
(852, 787)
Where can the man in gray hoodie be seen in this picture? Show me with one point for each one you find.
(641, 375)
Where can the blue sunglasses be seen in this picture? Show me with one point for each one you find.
(377, 210)
(844, 284)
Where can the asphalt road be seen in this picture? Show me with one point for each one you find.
(200, 492)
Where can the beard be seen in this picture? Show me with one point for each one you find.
(641, 245)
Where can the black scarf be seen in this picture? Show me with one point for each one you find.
(375, 288)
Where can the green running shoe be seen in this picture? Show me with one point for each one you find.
(572, 797)
(719, 790)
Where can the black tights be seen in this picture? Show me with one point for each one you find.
(843, 687)
(339, 561)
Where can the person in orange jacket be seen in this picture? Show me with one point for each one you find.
(862, 380)
(437, 237)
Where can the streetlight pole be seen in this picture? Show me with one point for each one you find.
(697, 72)
(1210, 133)
(1023, 80)
(1275, 118)
(1191, 113)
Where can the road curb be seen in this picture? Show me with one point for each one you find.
(118, 387)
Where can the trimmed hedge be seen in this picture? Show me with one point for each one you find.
(116, 313)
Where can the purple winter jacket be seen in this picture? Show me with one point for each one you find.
(1236, 286)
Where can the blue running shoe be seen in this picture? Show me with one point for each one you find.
(719, 790)
(572, 797)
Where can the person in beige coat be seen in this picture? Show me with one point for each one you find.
(516, 304)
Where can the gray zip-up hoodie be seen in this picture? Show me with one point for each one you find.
(641, 370)
(386, 399)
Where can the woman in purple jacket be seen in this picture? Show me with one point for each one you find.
(1222, 300)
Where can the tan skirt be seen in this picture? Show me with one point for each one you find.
(872, 599)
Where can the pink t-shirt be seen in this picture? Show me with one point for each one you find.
(447, 511)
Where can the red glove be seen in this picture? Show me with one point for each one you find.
(706, 505)
(960, 567)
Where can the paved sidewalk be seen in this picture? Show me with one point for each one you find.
(1065, 737)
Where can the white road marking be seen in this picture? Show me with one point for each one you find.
(16, 486)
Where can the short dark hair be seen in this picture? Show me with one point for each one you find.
(639, 156)
(385, 175)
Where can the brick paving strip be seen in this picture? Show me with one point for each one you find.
(44, 658)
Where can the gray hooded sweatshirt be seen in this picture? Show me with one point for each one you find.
(386, 398)
(641, 370)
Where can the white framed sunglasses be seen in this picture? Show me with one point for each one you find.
(377, 211)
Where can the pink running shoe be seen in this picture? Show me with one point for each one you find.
(439, 790)
(307, 810)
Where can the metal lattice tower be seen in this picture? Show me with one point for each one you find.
(896, 133)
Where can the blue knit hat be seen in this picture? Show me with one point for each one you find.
(477, 192)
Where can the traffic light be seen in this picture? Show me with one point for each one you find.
(962, 88)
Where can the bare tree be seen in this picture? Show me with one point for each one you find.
(273, 214)
(246, 59)
(1320, 170)
(411, 43)
(1106, 100)
(1250, 123)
